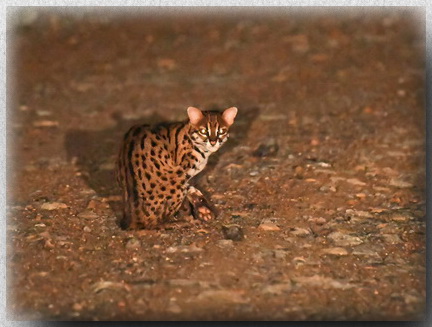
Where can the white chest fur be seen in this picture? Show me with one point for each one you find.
(199, 164)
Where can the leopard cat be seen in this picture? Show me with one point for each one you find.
(155, 165)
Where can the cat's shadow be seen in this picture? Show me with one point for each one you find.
(95, 152)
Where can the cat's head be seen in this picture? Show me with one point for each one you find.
(210, 128)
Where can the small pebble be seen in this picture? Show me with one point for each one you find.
(336, 251)
(77, 307)
(301, 232)
(233, 232)
(133, 243)
(342, 239)
(270, 148)
(400, 183)
(268, 225)
(225, 243)
(277, 289)
(174, 308)
(88, 214)
(53, 206)
(45, 123)
(355, 181)
(391, 238)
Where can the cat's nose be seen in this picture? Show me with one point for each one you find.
(212, 142)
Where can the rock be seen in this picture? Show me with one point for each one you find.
(88, 214)
(102, 285)
(336, 251)
(359, 213)
(368, 252)
(30, 168)
(298, 172)
(267, 149)
(396, 259)
(166, 63)
(183, 282)
(391, 238)
(342, 239)
(77, 307)
(225, 243)
(400, 183)
(254, 173)
(300, 232)
(328, 188)
(268, 225)
(45, 123)
(43, 113)
(184, 249)
(233, 232)
(400, 216)
(297, 261)
(277, 289)
(324, 164)
(96, 205)
(86, 229)
(355, 181)
(273, 117)
(280, 254)
(53, 206)
(323, 282)
(318, 221)
(174, 308)
(223, 296)
(133, 243)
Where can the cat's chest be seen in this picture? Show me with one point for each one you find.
(197, 163)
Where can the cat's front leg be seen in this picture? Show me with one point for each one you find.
(202, 209)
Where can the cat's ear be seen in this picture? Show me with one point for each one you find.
(229, 114)
(195, 115)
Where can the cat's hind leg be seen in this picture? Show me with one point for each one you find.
(201, 208)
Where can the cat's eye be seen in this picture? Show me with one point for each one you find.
(203, 131)
(222, 131)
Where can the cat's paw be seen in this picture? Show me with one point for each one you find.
(204, 213)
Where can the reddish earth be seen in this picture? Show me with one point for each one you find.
(324, 173)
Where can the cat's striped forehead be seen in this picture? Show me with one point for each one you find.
(212, 119)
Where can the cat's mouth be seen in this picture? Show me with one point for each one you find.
(213, 146)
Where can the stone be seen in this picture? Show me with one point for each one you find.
(336, 251)
(223, 296)
(323, 282)
(53, 206)
(391, 238)
(183, 282)
(300, 232)
(355, 181)
(342, 239)
(133, 243)
(184, 249)
(266, 149)
(400, 183)
(88, 214)
(174, 308)
(277, 289)
(45, 123)
(225, 243)
(268, 225)
(233, 232)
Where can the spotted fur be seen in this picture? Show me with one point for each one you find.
(155, 164)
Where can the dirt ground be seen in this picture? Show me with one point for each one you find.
(321, 187)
